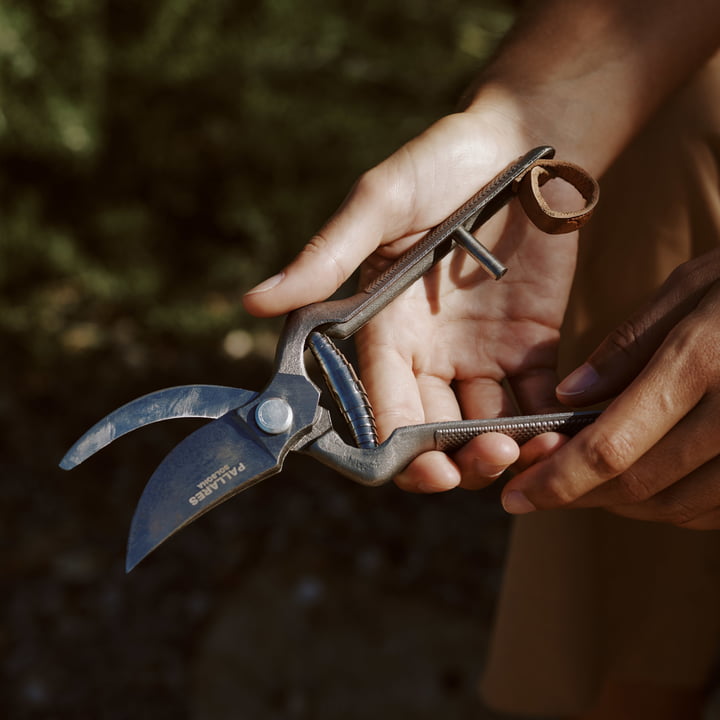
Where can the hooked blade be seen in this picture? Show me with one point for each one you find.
(185, 401)
(210, 465)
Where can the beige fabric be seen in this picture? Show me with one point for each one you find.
(586, 595)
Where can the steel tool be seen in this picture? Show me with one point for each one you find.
(252, 432)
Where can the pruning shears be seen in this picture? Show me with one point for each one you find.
(251, 433)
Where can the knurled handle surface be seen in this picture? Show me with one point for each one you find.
(521, 428)
(378, 465)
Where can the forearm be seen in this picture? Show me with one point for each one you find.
(585, 76)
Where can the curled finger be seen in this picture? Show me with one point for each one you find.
(692, 502)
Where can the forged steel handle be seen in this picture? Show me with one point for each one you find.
(376, 466)
(356, 311)
(452, 436)
(341, 318)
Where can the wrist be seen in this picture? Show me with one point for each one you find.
(543, 117)
(586, 77)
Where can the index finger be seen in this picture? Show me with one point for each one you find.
(636, 421)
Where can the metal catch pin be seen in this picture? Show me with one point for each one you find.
(474, 247)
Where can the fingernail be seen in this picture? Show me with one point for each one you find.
(268, 284)
(490, 472)
(516, 503)
(428, 487)
(578, 381)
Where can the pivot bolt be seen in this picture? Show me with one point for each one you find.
(274, 416)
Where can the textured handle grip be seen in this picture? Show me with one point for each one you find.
(347, 390)
(378, 465)
(521, 428)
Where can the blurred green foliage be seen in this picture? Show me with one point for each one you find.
(157, 158)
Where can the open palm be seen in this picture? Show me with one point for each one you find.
(456, 344)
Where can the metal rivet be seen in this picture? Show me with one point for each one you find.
(274, 416)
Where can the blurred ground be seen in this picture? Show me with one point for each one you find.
(155, 160)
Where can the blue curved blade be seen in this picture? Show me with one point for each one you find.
(210, 465)
(201, 401)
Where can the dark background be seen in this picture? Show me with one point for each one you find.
(157, 159)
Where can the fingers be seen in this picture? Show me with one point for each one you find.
(485, 458)
(709, 521)
(693, 502)
(399, 398)
(403, 395)
(630, 427)
(430, 472)
(539, 448)
(690, 444)
(534, 390)
(483, 397)
(650, 436)
(435, 471)
(372, 211)
(624, 353)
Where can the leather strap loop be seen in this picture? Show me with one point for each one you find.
(537, 208)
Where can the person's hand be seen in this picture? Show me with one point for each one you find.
(654, 454)
(456, 344)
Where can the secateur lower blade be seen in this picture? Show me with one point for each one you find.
(221, 459)
(214, 462)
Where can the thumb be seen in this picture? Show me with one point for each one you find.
(373, 213)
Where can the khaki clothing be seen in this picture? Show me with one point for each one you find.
(589, 596)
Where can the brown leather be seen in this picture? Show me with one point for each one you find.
(537, 208)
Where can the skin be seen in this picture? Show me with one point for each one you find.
(655, 453)
(483, 332)
(584, 78)
(494, 344)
